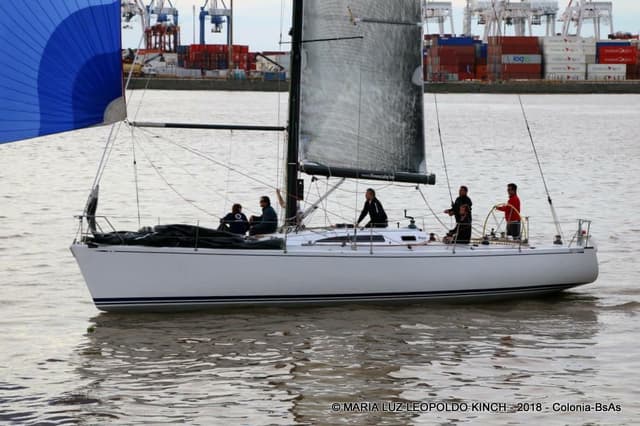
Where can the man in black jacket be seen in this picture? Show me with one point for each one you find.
(268, 222)
(373, 208)
(462, 199)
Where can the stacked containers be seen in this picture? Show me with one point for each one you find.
(514, 58)
(183, 55)
(216, 57)
(620, 53)
(633, 71)
(481, 61)
(564, 58)
(450, 59)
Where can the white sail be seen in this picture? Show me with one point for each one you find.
(361, 106)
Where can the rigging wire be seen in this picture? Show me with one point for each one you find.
(184, 169)
(355, 198)
(430, 208)
(556, 222)
(133, 151)
(132, 67)
(209, 158)
(226, 189)
(171, 186)
(135, 175)
(444, 161)
(115, 129)
(105, 153)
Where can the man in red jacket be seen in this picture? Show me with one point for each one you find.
(512, 212)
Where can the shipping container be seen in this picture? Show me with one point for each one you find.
(568, 68)
(561, 40)
(606, 77)
(617, 55)
(569, 49)
(607, 68)
(455, 41)
(557, 58)
(521, 59)
(564, 76)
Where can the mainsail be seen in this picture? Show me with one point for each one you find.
(361, 102)
(60, 66)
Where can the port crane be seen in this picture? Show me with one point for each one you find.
(220, 14)
(498, 15)
(580, 11)
(162, 12)
(438, 12)
(164, 33)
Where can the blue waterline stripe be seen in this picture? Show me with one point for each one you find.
(320, 298)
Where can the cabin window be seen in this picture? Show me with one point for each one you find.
(408, 238)
(349, 239)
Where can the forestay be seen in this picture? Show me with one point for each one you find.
(361, 112)
(60, 66)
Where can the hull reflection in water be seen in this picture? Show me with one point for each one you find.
(286, 366)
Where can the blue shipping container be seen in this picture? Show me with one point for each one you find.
(481, 51)
(456, 41)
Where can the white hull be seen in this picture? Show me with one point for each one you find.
(138, 278)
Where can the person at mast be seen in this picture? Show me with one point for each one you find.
(268, 222)
(297, 220)
(235, 222)
(512, 211)
(373, 207)
(463, 198)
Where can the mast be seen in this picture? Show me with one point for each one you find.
(294, 112)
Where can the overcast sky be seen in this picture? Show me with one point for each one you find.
(258, 23)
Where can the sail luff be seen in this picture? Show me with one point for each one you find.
(292, 196)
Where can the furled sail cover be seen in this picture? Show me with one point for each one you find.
(362, 95)
(60, 66)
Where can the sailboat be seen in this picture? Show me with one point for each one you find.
(356, 111)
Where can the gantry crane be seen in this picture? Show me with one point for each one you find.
(438, 12)
(164, 33)
(578, 12)
(498, 15)
(220, 14)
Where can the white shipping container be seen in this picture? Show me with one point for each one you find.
(521, 59)
(606, 77)
(184, 72)
(590, 59)
(570, 68)
(563, 49)
(561, 40)
(607, 68)
(565, 76)
(569, 58)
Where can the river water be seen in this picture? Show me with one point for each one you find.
(555, 360)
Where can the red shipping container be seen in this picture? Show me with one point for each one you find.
(481, 72)
(617, 55)
(522, 68)
(514, 40)
(521, 76)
